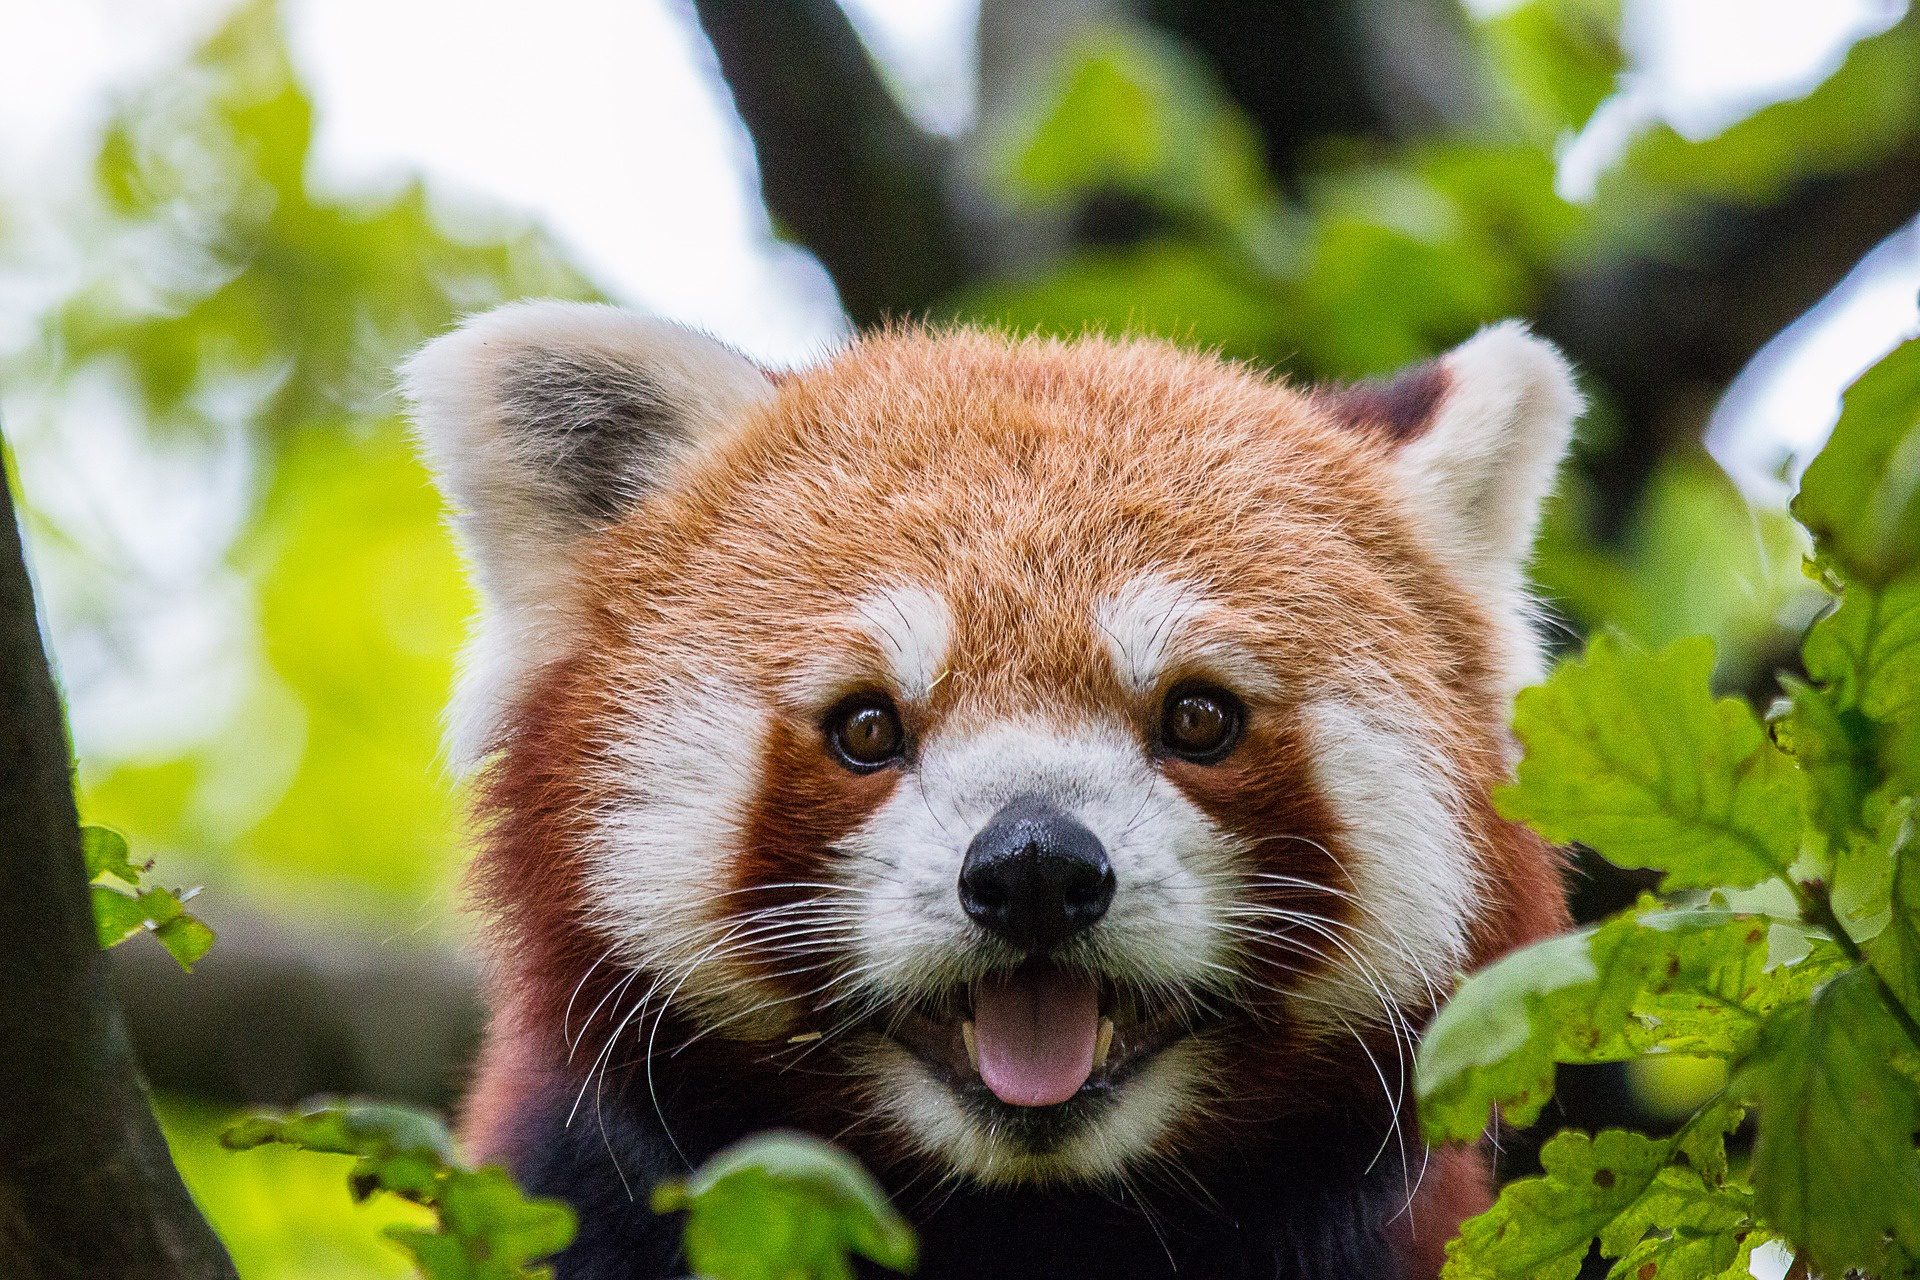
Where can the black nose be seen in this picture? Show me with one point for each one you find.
(1035, 876)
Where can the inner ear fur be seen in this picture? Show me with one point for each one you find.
(1478, 436)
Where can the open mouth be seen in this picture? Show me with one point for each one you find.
(1037, 1036)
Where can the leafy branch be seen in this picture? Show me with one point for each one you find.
(776, 1206)
(485, 1228)
(1816, 1012)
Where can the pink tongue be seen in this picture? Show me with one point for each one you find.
(1034, 1032)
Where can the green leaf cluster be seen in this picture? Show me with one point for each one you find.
(1361, 260)
(486, 1229)
(124, 903)
(1815, 1009)
(785, 1206)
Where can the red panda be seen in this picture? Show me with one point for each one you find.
(1057, 771)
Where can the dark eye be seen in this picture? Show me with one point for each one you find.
(866, 733)
(1200, 723)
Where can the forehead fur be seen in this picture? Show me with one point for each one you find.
(1024, 484)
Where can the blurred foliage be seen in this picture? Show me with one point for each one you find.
(1695, 559)
(484, 1228)
(1559, 62)
(1866, 107)
(1386, 258)
(227, 289)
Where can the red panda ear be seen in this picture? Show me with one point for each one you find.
(544, 421)
(1479, 435)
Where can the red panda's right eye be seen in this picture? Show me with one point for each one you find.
(866, 733)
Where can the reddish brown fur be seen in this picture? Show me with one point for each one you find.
(1022, 481)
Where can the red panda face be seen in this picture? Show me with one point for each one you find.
(1059, 751)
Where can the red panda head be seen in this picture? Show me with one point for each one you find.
(1061, 751)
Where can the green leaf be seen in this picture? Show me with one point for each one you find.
(123, 905)
(1630, 753)
(1834, 1167)
(1687, 1253)
(1663, 1203)
(1685, 981)
(784, 1206)
(1868, 649)
(117, 915)
(498, 1224)
(1834, 747)
(488, 1229)
(1861, 496)
(106, 854)
(186, 938)
(1540, 1228)
(1682, 1225)
(1562, 57)
(1894, 951)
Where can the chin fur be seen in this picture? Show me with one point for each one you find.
(1093, 1139)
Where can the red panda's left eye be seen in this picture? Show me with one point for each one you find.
(1200, 723)
(866, 733)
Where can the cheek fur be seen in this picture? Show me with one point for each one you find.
(807, 804)
(1416, 877)
(1294, 902)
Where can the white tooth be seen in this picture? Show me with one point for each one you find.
(973, 1050)
(1102, 1043)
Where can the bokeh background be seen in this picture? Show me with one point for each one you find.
(221, 225)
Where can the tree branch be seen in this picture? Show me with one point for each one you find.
(87, 1187)
(843, 170)
(277, 1013)
(1665, 335)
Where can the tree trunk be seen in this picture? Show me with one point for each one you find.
(87, 1187)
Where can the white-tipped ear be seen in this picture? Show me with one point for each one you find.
(1484, 464)
(1479, 435)
(544, 421)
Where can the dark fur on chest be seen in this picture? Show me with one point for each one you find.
(1314, 1204)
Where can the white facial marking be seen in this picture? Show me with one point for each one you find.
(1155, 623)
(909, 625)
(679, 784)
(1171, 870)
(1413, 874)
(1142, 620)
(913, 627)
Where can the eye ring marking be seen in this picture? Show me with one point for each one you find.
(1201, 723)
(865, 732)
